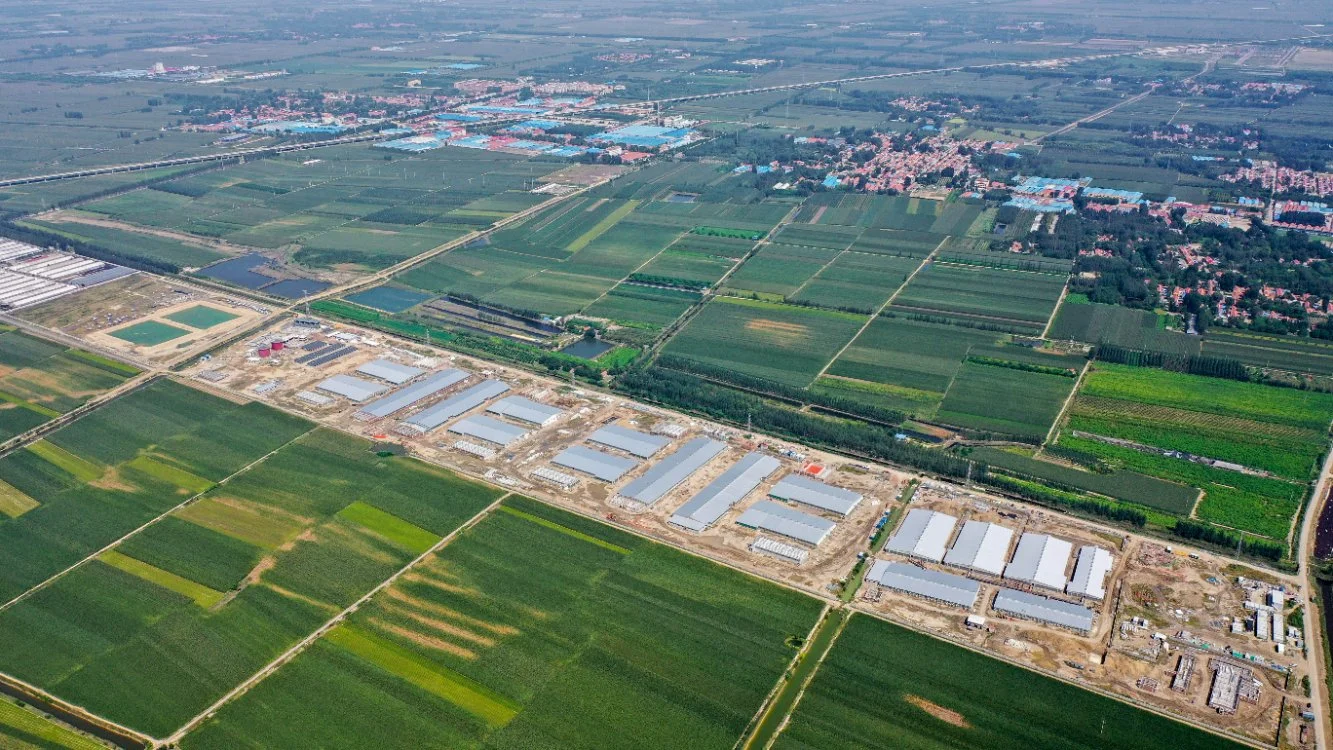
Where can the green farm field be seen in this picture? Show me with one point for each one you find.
(781, 343)
(1020, 300)
(22, 729)
(616, 645)
(882, 686)
(1000, 399)
(40, 380)
(154, 631)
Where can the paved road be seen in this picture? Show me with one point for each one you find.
(1314, 603)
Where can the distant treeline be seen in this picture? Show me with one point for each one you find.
(1214, 367)
(43, 238)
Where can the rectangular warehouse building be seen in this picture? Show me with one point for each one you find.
(490, 430)
(1044, 609)
(1090, 572)
(633, 442)
(981, 546)
(767, 515)
(672, 470)
(798, 489)
(599, 464)
(389, 371)
(1040, 560)
(405, 397)
(353, 389)
(525, 410)
(460, 403)
(929, 584)
(713, 501)
(924, 534)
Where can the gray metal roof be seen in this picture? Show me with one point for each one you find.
(353, 389)
(703, 510)
(1041, 560)
(604, 466)
(981, 546)
(803, 489)
(1044, 609)
(923, 533)
(672, 470)
(405, 397)
(787, 521)
(633, 442)
(461, 403)
(931, 584)
(490, 430)
(388, 370)
(1090, 572)
(524, 410)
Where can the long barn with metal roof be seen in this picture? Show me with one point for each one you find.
(1044, 609)
(488, 429)
(461, 403)
(929, 584)
(924, 534)
(713, 501)
(982, 547)
(353, 389)
(1090, 571)
(767, 515)
(800, 489)
(1040, 560)
(405, 397)
(525, 410)
(599, 464)
(633, 442)
(672, 470)
(389, 371)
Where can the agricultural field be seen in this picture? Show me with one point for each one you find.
(890, 212)
(40, 380)
(779, 270)
(855, 281)
(1121, 484)
(92, 481)
(1277, 435)
(1017, 301)
(992, 395)
(615, 644)
(23, 729)
(646, 307)
(782, 343)
(152, 632)
(1079, 320)
(1302, 355)
(882, 686)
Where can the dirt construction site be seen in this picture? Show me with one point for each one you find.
(1158, 613)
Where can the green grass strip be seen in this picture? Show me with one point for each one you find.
(45, 411)
(477, 699)
(600, 227)
(796, 680)
(103, 362)
(14, 503)
(196, 592)
(78, 466)
(409, 536)
(21, 728)
(171, 474)
(564, 530)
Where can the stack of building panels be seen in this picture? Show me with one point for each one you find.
(599, 464)
(555, 477)
(389, 371)
(490, 430)
(1090, 571)
(313, 398)
(475, 449)
(982, 547)
(703, 510)
(1044, 609)
(412, 394)
(1041, 561)
(780, 549)
(460, 403)
(923, 534)
(930, 584)
(353, 389)
(767, 515)
(672, 470)
(525, 410)
(633, 442)
(800, 489)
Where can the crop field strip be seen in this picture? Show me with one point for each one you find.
(193, 605)
(41, 380)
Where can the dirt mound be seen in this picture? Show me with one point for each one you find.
(938, 711)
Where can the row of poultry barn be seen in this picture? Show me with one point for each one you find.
(1038, 563)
